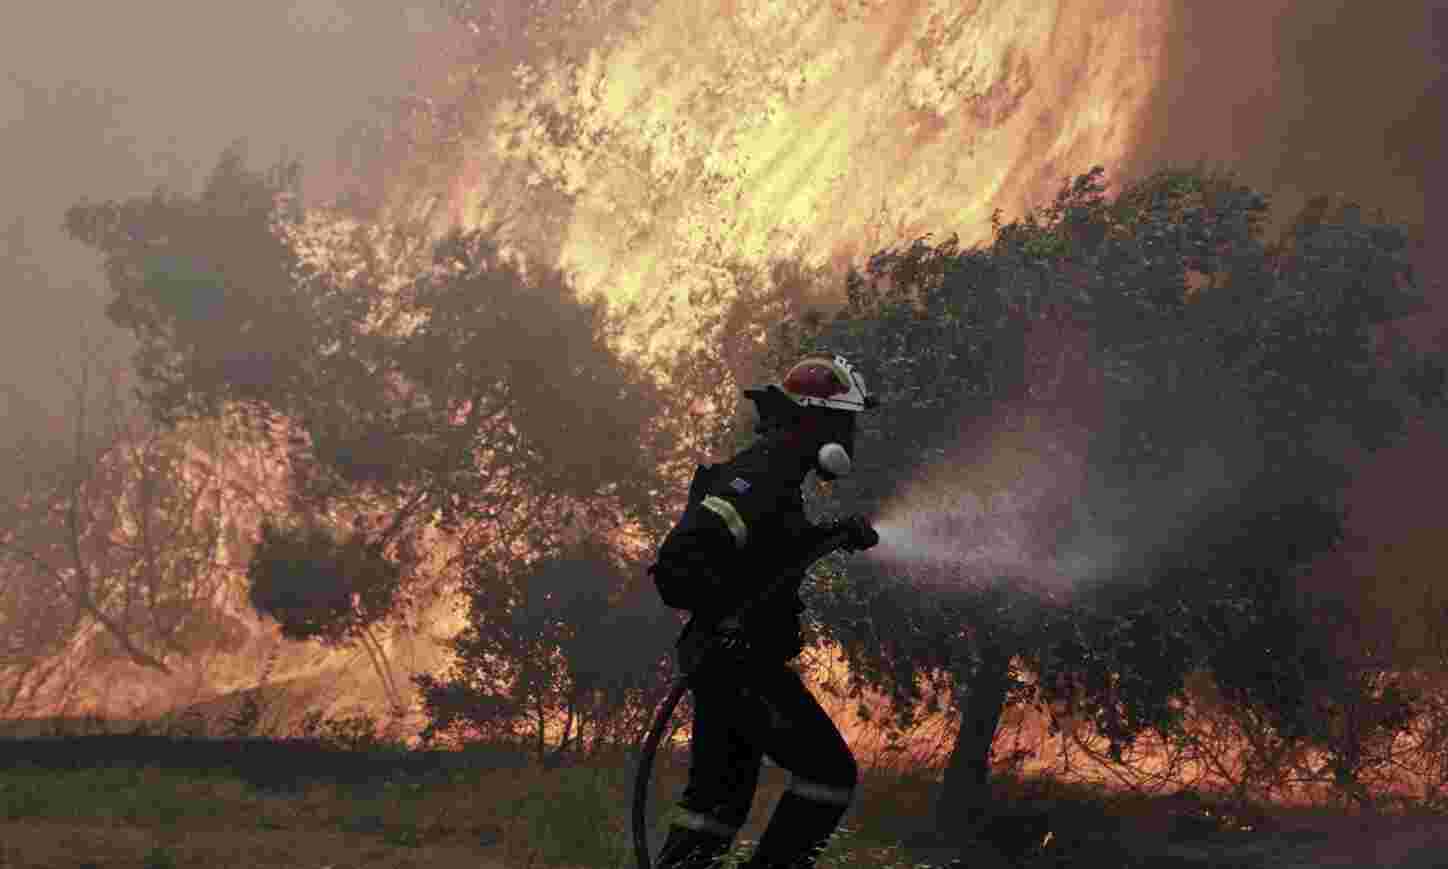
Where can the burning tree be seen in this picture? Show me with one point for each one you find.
(1187, 390)
(111, 544)
(414, 387)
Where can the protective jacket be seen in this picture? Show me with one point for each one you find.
(744, 528)
(743, 531)
(744, 534)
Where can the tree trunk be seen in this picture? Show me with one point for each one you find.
(555, 760)
(965, 794)
(378, 655)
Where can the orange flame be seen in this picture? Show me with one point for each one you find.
(752, 129)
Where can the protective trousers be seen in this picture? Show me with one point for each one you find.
(742, 714)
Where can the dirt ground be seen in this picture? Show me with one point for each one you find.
(1323, 840)
(32, 845)
(1345, 841)
(1348, 843)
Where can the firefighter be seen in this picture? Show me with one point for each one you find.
(743, 529)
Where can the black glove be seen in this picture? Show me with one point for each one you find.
(724, 642)
(729, 640)
(861, 535)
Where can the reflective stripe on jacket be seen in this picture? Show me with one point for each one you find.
(744, 527)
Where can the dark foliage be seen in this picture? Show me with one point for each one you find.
(319, 588)
(284, 764)
(1163, 336)
(572, 635)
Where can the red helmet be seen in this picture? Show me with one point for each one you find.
(826, 380)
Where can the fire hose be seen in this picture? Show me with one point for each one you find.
(676, 692)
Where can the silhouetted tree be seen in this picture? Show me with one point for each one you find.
(320, 588)
(403, 367)
(413, 385)
(1149, 325)
(573, 638)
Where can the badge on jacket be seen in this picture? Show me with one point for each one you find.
(740, 485)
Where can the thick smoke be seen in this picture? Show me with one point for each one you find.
(1328, 96)
(1018, 499)
(110, 100)
(1301, 98)
(1307, 97)
(1304, 97)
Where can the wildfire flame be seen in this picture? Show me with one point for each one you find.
(697, 134)
(747, 130)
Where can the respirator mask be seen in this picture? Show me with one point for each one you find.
(833, 459)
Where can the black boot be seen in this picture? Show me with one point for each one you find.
(691, 849)
(760, 862)
(799, 830)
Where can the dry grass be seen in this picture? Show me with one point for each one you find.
(570, 816)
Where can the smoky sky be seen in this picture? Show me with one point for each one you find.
(110, 100)
(1328, 96)
(1311, 96)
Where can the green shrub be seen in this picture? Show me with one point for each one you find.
(403, 835)
(578, 817)
(160, 858)
(357, 732)
(846, 849)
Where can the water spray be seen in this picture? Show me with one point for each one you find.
(969, 542)
(1046, 531)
